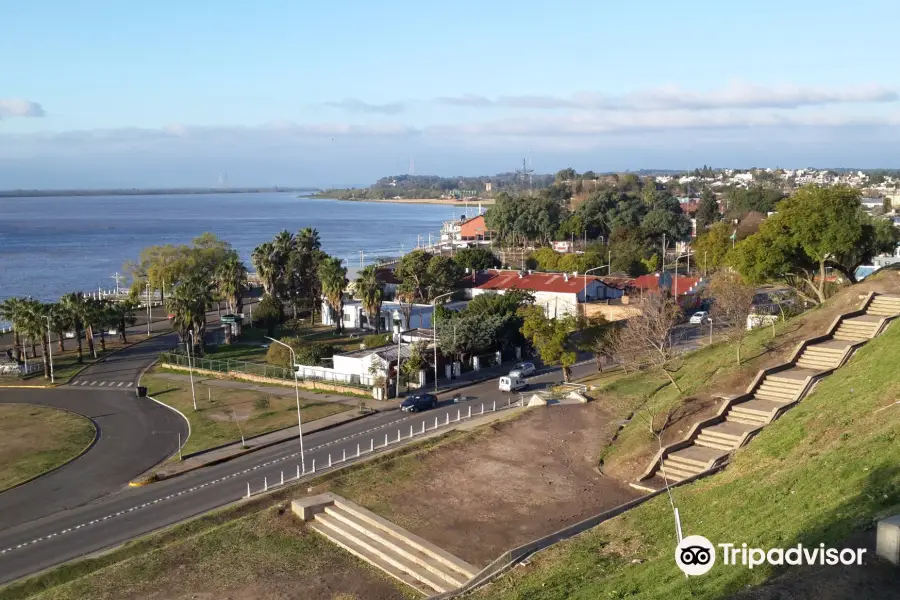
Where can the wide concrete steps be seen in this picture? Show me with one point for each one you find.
(858, 328)
(691, 461)
(397, 552)
(884, 305)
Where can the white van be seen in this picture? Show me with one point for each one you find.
(512, 383)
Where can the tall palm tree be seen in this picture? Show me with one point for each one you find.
(266, 264)
(35, 329)
(91, 316)
(333, 276)
(189, 303)
(308, 240)
(371, 293)
(123, 316)
(231, 279)
(13, 310)
(73, 305)
(60, 323)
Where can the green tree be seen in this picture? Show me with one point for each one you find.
(35, 330)
(546, 258)
(551, 337)
(711, 247)
(13, 310)
(442, 276)
(269, 313)
(189, 304)
(627, 251)
(758, 198)
(123, 316)
(878, 236)
(280, 356)
(333, 276)
(708, 211)
(476, 259)
(371, 293)
(231, 281)
(265, 261)
(72, 304)
(60, 323)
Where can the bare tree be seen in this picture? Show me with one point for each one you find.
(648, 340)
(732, 304)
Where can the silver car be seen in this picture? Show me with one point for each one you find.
(524, 369)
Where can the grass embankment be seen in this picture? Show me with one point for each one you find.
(821, 473)
(37, 439)
(223, 414)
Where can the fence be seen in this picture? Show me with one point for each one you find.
(260, 370)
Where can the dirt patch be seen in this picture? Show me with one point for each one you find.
(516, 481)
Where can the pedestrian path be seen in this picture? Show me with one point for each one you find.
(101, 383)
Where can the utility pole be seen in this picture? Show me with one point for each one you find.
(117, 277)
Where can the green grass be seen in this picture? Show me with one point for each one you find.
(37, 439)
(246, 352)
(817, 475)
(224, 413)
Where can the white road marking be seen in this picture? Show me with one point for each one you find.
(93, 383)
(120, 384)
(102, 383)
(130, 383)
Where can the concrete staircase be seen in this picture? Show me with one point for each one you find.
(711, 442)
(397, 552)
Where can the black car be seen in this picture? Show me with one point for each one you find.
(419, 402)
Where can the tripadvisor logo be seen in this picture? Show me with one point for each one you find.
(696, 555)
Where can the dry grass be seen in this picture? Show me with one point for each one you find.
(37, 439)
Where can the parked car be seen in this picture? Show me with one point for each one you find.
(700, 317)
(418, 402)
(524, 369)
(512, 383)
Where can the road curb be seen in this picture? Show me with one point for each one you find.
(84, 450)
(157, 477)
(27, 387)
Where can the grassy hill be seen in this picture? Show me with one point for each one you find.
(823, 473)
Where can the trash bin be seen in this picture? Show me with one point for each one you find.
(141, 391)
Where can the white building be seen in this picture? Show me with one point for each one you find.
(559, 293)
(392, 316)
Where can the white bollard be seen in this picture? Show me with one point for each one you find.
(410, 431)
(494, 409)
(470, 412)
(329, 460)
(385, 439)
(372, 445)
(435, 423)
(314, 466)
(345, 455)
(282, 478)
(357, 451)
(448, 419)
(248, 489)
(298, 472)
(423, 427)
(482, 408)
(398, 435)
(458, 414)
(265, 484)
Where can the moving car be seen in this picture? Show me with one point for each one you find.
(418, 402)
(700, 317)
(512, 383)
(524, 369)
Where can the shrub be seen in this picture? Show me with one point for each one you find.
(313, 354)
(376, 340)
(261, 403)
(281, 356)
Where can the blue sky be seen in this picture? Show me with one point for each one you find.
(173, 93)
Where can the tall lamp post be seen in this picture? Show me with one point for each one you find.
(434, 333)
(49, 348)
(297, 391)
(584, 292)
(148, 309)
(190, 366)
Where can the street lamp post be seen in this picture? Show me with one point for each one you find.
(434, 333)
(49, 349)
(190, 366)
(148, 309)
(675, 279)
(584, 291)
(297, 391)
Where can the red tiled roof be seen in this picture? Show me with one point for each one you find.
(539, 282)
(473, 228)
(651, 282)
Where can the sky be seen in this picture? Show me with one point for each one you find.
(175, 93)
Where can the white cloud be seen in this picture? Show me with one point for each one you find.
(354, 105)
(13, 107)
(734, 96)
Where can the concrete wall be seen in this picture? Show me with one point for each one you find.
(307, 384)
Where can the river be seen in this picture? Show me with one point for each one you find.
(50, 246)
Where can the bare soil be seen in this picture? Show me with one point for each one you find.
(516, 481)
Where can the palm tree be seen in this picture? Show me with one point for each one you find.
(73, 306)
(35, 329)
(13, 310)
(371, 292)
(333, 276)
(265, 262)
(91, 316)
(60, 323)
(231, 279)
(308, 240)
(189, 303)
(122, 316)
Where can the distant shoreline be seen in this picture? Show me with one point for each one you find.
(444, 201)
(148, 192)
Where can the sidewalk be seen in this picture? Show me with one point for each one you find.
(273, 390)
(231, 451)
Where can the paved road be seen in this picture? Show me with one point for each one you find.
(135, 434)
(131, 512)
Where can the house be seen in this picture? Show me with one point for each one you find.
(465, 230)
(359, 366)
(559, 293)
(384, 274)
(392, 315)
(685, 288)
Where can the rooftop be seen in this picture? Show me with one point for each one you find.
(684, 285)
(560, 283)
(387, 352)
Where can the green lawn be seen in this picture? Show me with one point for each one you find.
(817, 475)
(37, 439)
(224, 413)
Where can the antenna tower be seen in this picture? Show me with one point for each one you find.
(412, 166)
(525, 175)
